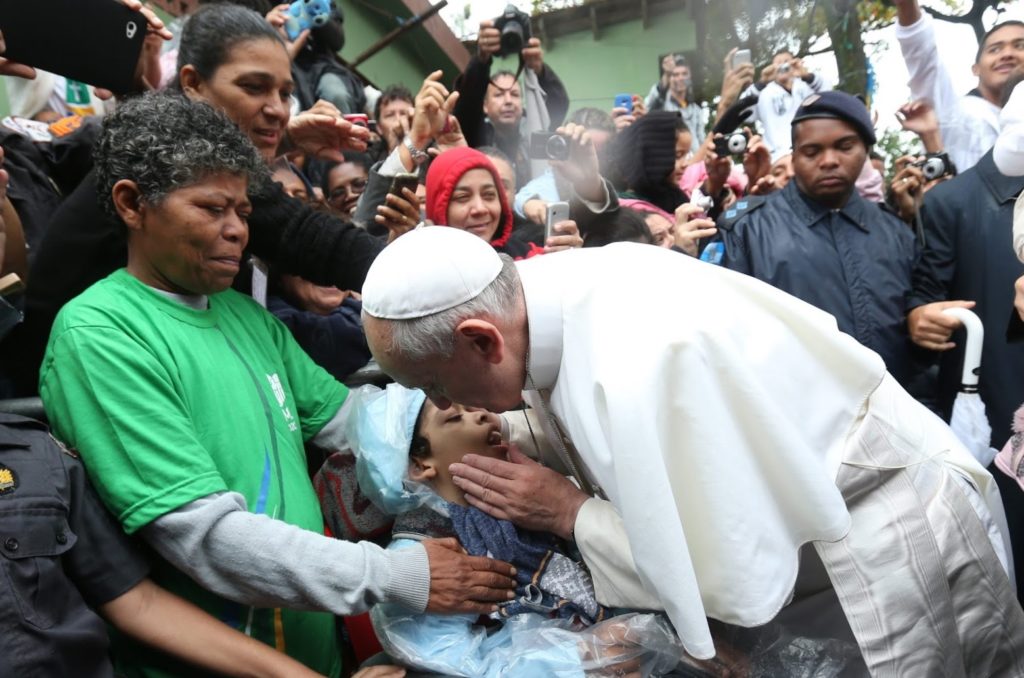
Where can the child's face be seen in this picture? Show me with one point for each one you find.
(453, 433)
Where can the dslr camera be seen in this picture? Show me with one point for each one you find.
(733, 143)
(935, 165)
(303, 14)
(514, 27)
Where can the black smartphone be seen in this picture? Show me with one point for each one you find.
(404, 180)
(96, 42)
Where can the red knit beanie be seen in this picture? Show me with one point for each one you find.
(444, 174)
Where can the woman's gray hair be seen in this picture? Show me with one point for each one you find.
(433, 336)
(164, 142)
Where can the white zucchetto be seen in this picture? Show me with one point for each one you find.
(428, 270)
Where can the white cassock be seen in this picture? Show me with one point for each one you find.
(730, 423)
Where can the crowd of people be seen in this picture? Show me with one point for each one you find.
(667, 395)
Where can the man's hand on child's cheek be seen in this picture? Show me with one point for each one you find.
(520, 490)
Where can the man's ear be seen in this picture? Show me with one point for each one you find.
(975, 69)
(422, 470)
(128, 203)
(189, 79)
(482, 338)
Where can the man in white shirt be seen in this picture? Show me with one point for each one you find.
(725, 434)
(784, 85)
(969, 123)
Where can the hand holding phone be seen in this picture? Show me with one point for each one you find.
(742, 56)
(624, 101)
(557, 213)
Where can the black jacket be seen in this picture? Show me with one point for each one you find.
(854, 263)
(469, 109)
(61, 553)
(968, 223)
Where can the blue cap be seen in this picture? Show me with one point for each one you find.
(380, 431)
(840, 106)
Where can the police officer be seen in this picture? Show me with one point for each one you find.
(819, 240)
(63, 556)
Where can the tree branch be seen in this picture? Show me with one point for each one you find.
(952, 18)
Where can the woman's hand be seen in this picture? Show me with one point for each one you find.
(399, 214)
(691, 227)
(323, 133)
(277, 18)
(757, 160)
(567, 237)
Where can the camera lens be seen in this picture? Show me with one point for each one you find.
(557, 148)
(512, 38)
(933, 168)
(737, 143)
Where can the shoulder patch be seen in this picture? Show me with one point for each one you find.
(8, 480)
(741, 208)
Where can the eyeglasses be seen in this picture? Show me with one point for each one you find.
(354, 187)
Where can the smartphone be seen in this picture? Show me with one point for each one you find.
(742, 56)
(96, 42)
(557, 212)
(624, 101)
(360, 119)
(404, 180)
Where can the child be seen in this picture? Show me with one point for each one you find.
(554, 626)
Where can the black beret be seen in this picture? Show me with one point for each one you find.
(841, 106)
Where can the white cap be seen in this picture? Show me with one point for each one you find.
(428, 270)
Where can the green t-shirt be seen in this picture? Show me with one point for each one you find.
(168, 404)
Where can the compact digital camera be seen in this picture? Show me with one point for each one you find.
(734, 143)
(303, 14)
(935, 165)
(548, 146)
(514, 27)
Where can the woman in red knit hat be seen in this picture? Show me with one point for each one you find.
(464, 190)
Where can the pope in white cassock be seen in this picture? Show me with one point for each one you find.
(719, 428)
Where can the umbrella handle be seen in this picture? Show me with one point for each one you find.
(972, 351)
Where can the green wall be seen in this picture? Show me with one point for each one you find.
(407, 61)
(624, 58)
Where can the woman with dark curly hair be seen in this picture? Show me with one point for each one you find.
(190, 406)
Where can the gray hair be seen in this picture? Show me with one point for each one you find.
(164, 142)
(434, 335)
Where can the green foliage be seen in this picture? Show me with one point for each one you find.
(894, 144)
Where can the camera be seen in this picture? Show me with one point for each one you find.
(514, 27)
(303, 14)
(784, 68)
(734, 143)
(548, 146)
(936, 165)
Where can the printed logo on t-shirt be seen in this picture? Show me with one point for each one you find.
(282, 397)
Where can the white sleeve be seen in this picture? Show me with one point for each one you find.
(602, 541)
(929, 79)
(1008, 152)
